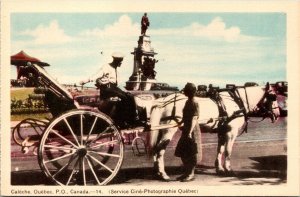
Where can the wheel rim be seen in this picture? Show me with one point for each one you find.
(81, 148)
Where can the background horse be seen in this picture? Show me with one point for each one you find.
(227, 122)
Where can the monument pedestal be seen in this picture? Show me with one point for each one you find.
(143, 74)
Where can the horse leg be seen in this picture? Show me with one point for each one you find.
(220, 152)
(159, 151)
(230, 139)
(159, 164)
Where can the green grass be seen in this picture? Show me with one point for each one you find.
(39, 116)
(20, 93)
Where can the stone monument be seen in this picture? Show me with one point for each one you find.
(143, 74)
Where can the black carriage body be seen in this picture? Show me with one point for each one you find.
(59, 100)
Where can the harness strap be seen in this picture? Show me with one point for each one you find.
(233, 92)
(219, 101)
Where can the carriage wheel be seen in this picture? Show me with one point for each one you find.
(81, 148)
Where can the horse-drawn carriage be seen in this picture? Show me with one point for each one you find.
(83, 145)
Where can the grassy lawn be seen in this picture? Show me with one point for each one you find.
(21, 94)
(39, 116)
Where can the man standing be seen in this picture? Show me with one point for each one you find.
(144, 24)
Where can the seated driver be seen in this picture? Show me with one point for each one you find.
(107, 82)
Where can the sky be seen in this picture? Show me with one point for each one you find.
(202, 48)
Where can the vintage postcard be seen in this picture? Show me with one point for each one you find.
(150, 98)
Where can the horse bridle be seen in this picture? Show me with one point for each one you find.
(261, 102)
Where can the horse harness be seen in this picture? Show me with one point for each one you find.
(172, 116)
(224, 119)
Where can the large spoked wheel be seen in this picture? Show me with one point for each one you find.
(81, 148)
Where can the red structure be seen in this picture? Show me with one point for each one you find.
(21, 59)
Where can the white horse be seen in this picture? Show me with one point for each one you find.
(236, 103)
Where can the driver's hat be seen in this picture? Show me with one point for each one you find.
(117, 55)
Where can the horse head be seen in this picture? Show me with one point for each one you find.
(260, 101)
(268, 105)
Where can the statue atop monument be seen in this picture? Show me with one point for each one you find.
(144, 24)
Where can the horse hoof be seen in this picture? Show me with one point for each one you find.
(188, 179)
(220, 172)
(230, 173)
(162, 177)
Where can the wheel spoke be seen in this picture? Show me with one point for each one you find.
(103, 144)
(66, 165)
(81, 129)
(71, 131)
(96, 160)
(92, 169)
(92, 128)
(105, 154)
(99, 135)
(65, 139)
(73, 171)
(83, 171)
(59, 147)
(58, 158)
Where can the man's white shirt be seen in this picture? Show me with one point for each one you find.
(107, 74)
